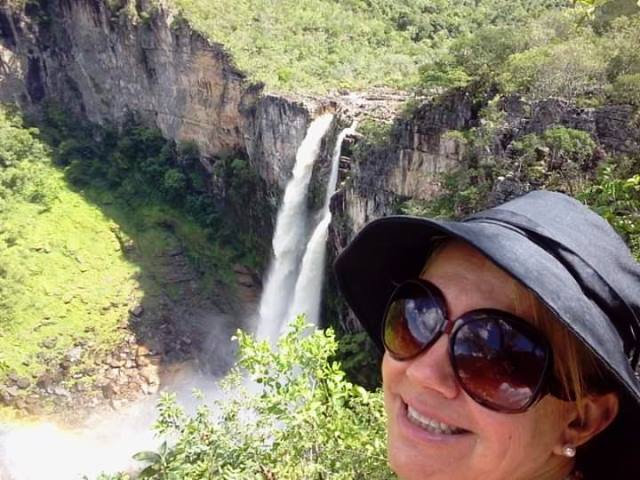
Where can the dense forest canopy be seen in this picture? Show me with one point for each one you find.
(325, 44)
(427, 45)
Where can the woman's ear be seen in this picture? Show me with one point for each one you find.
(596, 413)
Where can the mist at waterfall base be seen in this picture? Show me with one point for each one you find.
(106, 442)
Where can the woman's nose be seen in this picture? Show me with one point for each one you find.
(432, 369)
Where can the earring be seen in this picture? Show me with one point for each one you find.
(569, 451)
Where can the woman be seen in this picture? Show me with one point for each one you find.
(510, 339)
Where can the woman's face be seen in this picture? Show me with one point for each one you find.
(491, 445)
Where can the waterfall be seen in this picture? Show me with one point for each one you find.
(290, 235)
(308, 290)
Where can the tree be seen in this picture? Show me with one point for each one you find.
(303, 421)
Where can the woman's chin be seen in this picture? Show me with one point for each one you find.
(414, 450)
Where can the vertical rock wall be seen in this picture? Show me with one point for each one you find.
(406, 165)
(105, 65)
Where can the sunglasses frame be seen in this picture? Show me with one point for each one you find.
(547, 383)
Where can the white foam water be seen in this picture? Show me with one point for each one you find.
(308, 289)
(104, 443)
(49, 451)
(290, 236)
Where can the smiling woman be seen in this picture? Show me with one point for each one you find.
(502, 360)
(499, 365)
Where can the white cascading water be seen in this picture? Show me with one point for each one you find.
(290, 235)
(308, 290)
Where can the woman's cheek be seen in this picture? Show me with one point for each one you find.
(392, 374)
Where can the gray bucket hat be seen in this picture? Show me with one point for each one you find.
(567, 255)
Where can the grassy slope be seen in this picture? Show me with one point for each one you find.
(74, 281)
(68, 276)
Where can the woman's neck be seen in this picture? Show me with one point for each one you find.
(559, 470)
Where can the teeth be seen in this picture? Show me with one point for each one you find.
(430, 424)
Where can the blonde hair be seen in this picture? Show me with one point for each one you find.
(576, 369)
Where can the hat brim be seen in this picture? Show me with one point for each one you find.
(392, 249)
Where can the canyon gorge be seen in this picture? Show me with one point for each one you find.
(107, 62)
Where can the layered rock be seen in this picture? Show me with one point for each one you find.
(105, 65)
(420, 148)
(406, 165)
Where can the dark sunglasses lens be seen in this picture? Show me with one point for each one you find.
(497, 364)
(412, 320)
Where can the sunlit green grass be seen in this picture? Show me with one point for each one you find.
(73, 282)
(75, 257)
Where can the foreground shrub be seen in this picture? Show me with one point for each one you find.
(300, 419)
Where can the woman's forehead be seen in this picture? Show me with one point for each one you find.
(460, 269)
(457, 256)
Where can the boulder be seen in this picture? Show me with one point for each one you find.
(5, 397)
(109, 391)
(49, 342)
(74, 354)
(45, 381)
(60, 391)
(150, 375)
(23, 383)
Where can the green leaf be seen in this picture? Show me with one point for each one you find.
(150, 457)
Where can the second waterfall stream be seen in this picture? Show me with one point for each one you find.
(294, 281)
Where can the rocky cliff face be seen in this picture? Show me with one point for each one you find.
(107, 63)
(418, 149)
(407, 163)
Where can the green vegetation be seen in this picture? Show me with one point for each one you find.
(560, 53)
(626, 89)
(616, 196)
(142, 169)
(62, 273)
(299, 419)
(558, 159)
(316, 45)
(67, 279)
(23, 161)
(85, 214)
(580, 51)
(250, 219)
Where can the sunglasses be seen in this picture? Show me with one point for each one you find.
(499, 360)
